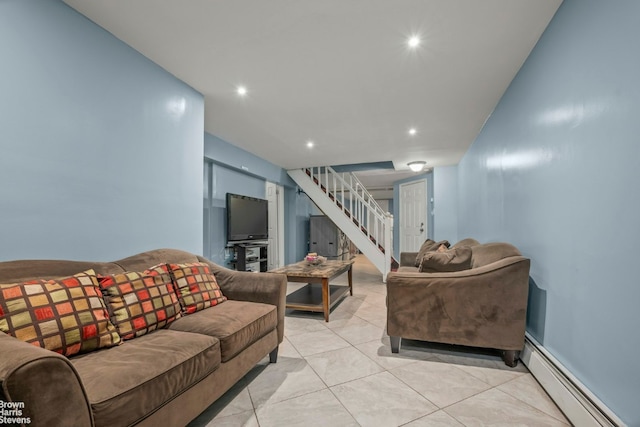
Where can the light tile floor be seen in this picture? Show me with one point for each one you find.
(343, 373)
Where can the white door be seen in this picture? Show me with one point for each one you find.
(413, 215)
(275, 250)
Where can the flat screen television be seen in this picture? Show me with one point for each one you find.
(246, 218)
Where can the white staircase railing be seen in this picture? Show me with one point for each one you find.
(343, 198)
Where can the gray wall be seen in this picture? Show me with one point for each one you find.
(555, 172)
(101, 149)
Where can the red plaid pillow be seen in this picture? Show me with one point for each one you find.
(65, 315)
(140, 302)
(196, 286)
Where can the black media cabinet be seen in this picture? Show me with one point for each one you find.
(250, 256)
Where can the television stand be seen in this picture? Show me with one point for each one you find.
(250, 256)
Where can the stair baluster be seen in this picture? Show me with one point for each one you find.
(363, 220)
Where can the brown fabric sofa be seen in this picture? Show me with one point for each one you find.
(166, 377)
(483, 306)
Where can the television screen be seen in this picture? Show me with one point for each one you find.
(246, 218)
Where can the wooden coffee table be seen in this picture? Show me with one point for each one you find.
(313, 297)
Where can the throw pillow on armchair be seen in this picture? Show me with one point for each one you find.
(428, 246)
(456, 259)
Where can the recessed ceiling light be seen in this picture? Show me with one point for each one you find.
(412, 131)
(241, 90)
(413, 41)
(310, 144)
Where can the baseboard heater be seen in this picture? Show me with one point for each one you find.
(579, 405)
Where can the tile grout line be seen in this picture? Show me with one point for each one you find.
(345, 408)
(353, 314)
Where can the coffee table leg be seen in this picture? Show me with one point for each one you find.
(325, 298)
(350, 276)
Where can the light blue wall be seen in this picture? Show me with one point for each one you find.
(222, 180)
(101, 149)
(247, 163)
(555, 172)
(445, 209)
(230, 169)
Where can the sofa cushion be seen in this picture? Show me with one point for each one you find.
(456, 259)
(428, 246)
(237, 324)
(196, 286)
(65, 315)
(140, 302)
(491, 252)
(126, 383)
(408, 269)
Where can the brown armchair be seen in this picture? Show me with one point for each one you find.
(483, 306)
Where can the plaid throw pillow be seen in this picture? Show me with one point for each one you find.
(196, 286)
(65, 315)
(140, 302)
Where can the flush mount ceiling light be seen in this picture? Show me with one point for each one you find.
(416, 166)
(412, 131)
(310, 144)
(241, 90)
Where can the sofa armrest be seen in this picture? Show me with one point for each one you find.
(267, 288)
(482, 307)
(470, 272)
(408, 259)
(45, 382)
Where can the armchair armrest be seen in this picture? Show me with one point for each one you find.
(45, 382)
(267, 288)
(481, 307)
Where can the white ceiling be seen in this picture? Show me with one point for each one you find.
(337, 72)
